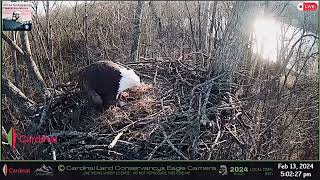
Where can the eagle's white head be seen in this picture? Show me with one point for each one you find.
(129, 79)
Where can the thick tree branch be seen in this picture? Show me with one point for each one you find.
(24, 105)
(13, 44)
(32, 67)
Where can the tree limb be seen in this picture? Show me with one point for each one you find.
(24, 105)
(13, 44)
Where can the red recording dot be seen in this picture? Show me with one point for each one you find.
(300, 6)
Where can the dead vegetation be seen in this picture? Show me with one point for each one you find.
(222, 104)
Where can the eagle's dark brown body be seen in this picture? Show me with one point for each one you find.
(100, 82)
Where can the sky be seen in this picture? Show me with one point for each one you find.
(58, 3)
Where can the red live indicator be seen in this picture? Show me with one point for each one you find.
(308, 6)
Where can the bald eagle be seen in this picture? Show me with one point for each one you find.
(103, 81)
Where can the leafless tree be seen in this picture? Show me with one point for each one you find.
(134, 54)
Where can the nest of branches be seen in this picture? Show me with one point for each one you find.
(178, 113)
(175, 114)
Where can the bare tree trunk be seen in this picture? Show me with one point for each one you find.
(192, 29)
(199, 27)
(50, 43)
(157, 19)
(48, 21)
(85, 19)
(213, 17)
(15, 61)
(24, 105)
(40, 84)
(48, 26)
(136, 33)
(206, 25)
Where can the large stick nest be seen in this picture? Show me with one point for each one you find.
(176, 114)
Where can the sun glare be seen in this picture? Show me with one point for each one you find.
(266, 35)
